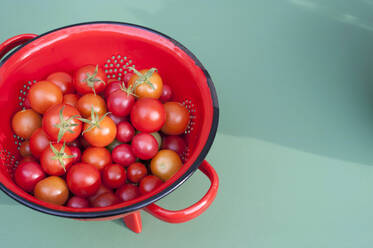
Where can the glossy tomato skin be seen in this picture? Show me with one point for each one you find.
(145, 90)
(125, 132)
(38, 142)
(101, 136)
(113, 176)
(25, 122)
(127, 77)
(80, 79)
(77, 202)
(113, 86)
(177, 118)
(71, 99)
(89, 101)
(43, 95)
(52, 166)
(53, 190)
(127, 192)
(149, 183)
(105, 200)
(25, 150)
(136, 172)
(144, 146)
(102, 189)
(166, 93)
(117, 119)
(148, 115)
(165, 164)
(83, 179)
(123, 155)
(175, 143)
(51, 119)
(63, 80)
(27, 175)
(96, 156)
(120, 103)
(75, 151)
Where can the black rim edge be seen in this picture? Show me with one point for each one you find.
(165, 192)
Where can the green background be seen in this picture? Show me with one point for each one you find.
(294, 145)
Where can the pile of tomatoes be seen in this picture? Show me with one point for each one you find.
(89, 142)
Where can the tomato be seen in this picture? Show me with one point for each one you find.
(77, 202)
(27, 175)
(28, 159)
(113, 86)
(52, 189)
(61, 123)
(38, 142)
(74, 143)
(83, 179)
(63, 80)
(165, 164)
(25, 150)
(105, 200)
(102, 189)
(175, 143)
(147, 83)
(43, 95)
(166, 93)
(177, 118)
(100, 132)
(113, 176)
(77, 154)
(84, 143)
(56, 159)
(89, 79)
(127, 192)
(158, 138)
(144, 146)
(97, 156)
(27, 103)
(113, 144)
(117, 119)
(123, 155)
(148, 115)
(71, 99)
(89, 101)
(127, 77)
(25, 122)
(136, 172)
(120, 103)
(125, 132)
(149, 183)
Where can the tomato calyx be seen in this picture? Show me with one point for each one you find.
(94, 120)
(65, 125)
(60, 155)
(130, 90)
(143, 78)
(91, 79)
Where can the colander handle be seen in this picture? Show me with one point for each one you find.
(197, 208)
(13, 42)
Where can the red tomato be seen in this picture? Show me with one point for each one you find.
(61, 123)
(166, 93)
(27, 103)
(25, 150)
(148, 115)
(120, 103)
(136, 172)
(63, 80)
(125, 132)
(52, 189)
(75, 151)
(174, 143)
(83, 179)
(113, 86)
(177, 118)
(105, 200)
(77, 202)
(127, 77)
(97, 156)
(100, 191)
(117, 119)
(84, 143)
(100, 132)
(27, 175)
(28, 159)
(113, 144)
(144, 146)
(43, 95)
(89, 79)
(38, 142)
(113, 176)
(56, 159)
(71, 99)
(123, 155)
(75, 143)
(127, 192)
(25, 122)
(150, 84)
(89, 101)
(149, 183)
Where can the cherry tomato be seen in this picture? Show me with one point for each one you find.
(105, 200)
(28, 159)
(149, 183)
(97, 156)
(77, 202)
(25, 150)
(89, 79)
(165, 164)
(75, 151)
(117, 119)
(25, 122)
(56, 159)
(123, 155)
(113, 144)
(127, 192)
(27, 103)
(136, 172)
(89, 101)
(151, 87)
(27, 175)
(144, 146)
(166, 93)
(148, 115)
(158, 138)
(177, 118)
(101, 133)
(113, 176)
(84, 143)
(43, 95)
(83, 179)
(63, 80)
(61, 123)
(52, 189)
(71, 99)
(102, 189)
(113, 86)
(74, 143)
(38, 142)
(120, 103)
(127, 77)
(125, 132)
(175, 143)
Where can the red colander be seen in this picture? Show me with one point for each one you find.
(114, 46)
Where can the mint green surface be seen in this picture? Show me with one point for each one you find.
(295, 141)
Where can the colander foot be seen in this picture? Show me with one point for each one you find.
(133, 221)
